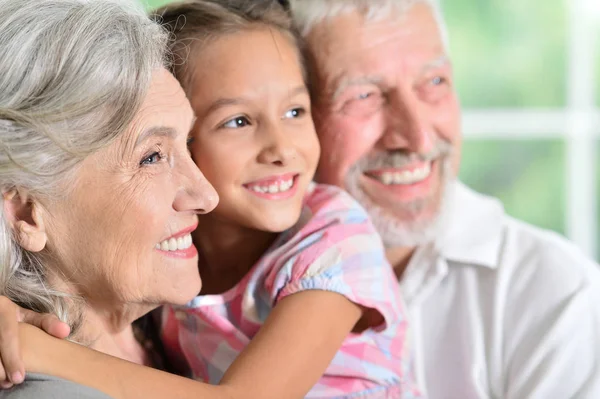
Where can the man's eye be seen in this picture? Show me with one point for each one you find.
(237, 122)
(153, 158)
(364, 104)
(295, 113)
(438, 80)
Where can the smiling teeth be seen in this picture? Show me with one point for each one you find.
(405, 177)
(273, 188)
(175, 244)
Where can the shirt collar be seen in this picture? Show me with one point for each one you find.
(472, 231)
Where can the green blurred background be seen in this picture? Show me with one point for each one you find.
(513, 55)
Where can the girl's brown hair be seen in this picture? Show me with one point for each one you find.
(193, 24)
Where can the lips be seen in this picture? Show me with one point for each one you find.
(402, 184)
(274, 187)
(402, 176)
(175, 244)
(179, 245)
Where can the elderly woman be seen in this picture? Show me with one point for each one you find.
(99, 193)
(288, 340)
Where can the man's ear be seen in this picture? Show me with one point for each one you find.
(25, 218)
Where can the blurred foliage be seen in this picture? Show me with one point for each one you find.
(512, 54)
(508, 53)
(598, 74)
(151, 4)
(528, 176)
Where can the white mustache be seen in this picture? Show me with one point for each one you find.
(398, 159)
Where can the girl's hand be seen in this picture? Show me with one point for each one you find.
(12, 369)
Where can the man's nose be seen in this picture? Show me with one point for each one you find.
(408, 124)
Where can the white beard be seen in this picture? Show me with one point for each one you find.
(413, 229)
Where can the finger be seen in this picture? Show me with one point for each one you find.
(10, 350)
(6, 385)
(47, 322)
(53, 326)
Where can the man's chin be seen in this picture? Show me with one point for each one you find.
(406, 228)
(404, 215)
(405, 224)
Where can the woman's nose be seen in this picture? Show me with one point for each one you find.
(197, 194)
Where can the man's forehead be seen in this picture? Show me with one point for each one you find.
(347, 41)
(348, 77)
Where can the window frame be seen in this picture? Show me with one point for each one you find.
(578, 124)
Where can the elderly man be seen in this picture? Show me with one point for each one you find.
(499, 308)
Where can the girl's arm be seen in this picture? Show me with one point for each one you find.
(284, 360)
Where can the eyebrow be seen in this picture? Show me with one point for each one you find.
(344, 83)
(224, 102)
(436, 63)
(298, 90)
(159, 131)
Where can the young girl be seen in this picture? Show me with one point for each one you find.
(297, 299)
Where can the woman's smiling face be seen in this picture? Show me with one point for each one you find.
(121, 234)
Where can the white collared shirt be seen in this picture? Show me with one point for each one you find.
(501, 309)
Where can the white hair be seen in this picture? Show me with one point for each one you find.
(73, 74)
(309, 13)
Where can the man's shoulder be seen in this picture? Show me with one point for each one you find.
(525, 298)
(42, 386)
(488, 242)
(538, 270)
(511, 243)
(535, 252)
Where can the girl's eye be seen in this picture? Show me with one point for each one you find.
(190, 141)
(153, 158)
(295, 113)
(237, 122)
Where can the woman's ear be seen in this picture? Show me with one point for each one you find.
(26, 220)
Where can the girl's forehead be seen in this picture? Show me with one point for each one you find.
(241, 63)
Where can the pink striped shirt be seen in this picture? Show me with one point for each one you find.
(333, 247)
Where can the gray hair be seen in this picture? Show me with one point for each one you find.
(309, 13)
(73, 74)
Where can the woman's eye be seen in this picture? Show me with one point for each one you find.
(153, 158)
(295, 113)
(190, 141)
(236, 123)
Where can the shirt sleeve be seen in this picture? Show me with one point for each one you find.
(340, 251)
(38, 386)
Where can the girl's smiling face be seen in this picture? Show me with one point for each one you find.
(254, 138)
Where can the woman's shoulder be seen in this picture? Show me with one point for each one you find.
(38, 386)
